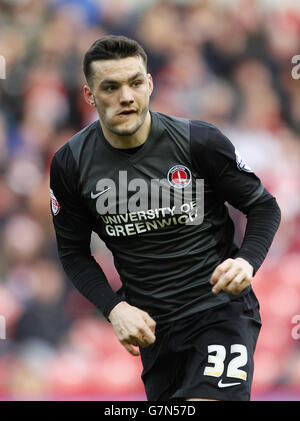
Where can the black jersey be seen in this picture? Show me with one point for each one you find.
(162, 252)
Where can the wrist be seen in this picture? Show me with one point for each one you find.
(116, 308)
(245, 262)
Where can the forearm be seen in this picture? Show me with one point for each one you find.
(263, 220)
(87, 276)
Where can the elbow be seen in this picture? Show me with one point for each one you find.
(276, 210)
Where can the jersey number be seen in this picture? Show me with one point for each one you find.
(216, 356)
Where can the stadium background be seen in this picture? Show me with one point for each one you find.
(227, 62)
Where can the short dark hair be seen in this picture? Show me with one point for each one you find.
(111, 47)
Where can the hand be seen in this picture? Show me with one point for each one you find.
(232, 276)
(132, 326)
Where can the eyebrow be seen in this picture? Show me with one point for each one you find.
(112, 81)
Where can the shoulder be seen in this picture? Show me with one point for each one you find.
(81, 137)
(204, 137)
(175, 128)
(66, 154)
(167, 118)
(202, 134)
(210, 146)
(209, 138)
(170, 122)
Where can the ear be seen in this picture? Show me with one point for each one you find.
(88, 96)
(150, 82)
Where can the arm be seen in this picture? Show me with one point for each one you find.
(234, 275)
(233, 181)
(132, 326)
(86, 274)
(73, 228)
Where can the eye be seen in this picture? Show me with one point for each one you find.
(110, 88)
(137, 83)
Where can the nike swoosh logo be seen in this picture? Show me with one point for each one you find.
(95, 195)
(220, 384)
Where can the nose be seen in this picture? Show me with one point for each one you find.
(126, 96)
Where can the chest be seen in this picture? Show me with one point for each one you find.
(161, 180)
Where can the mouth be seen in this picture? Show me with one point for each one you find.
(126, 112)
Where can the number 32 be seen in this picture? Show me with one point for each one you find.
(233, 369)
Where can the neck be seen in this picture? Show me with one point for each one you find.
(131, 141)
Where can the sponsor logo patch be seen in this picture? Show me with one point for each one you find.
(54, 203)
(95, 195)
(179, 176)
(221, 384)
(241, 164)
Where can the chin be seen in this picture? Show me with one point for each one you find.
(128, 131)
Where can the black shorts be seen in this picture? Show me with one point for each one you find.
(206, 355)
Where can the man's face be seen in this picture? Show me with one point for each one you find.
(120, 89)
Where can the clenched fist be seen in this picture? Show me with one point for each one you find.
(132, 326)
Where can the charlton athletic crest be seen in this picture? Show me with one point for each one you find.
(54, 203)
(179, 176)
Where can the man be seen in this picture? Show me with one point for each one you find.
(186, 299)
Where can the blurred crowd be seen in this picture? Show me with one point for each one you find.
(228, 62)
